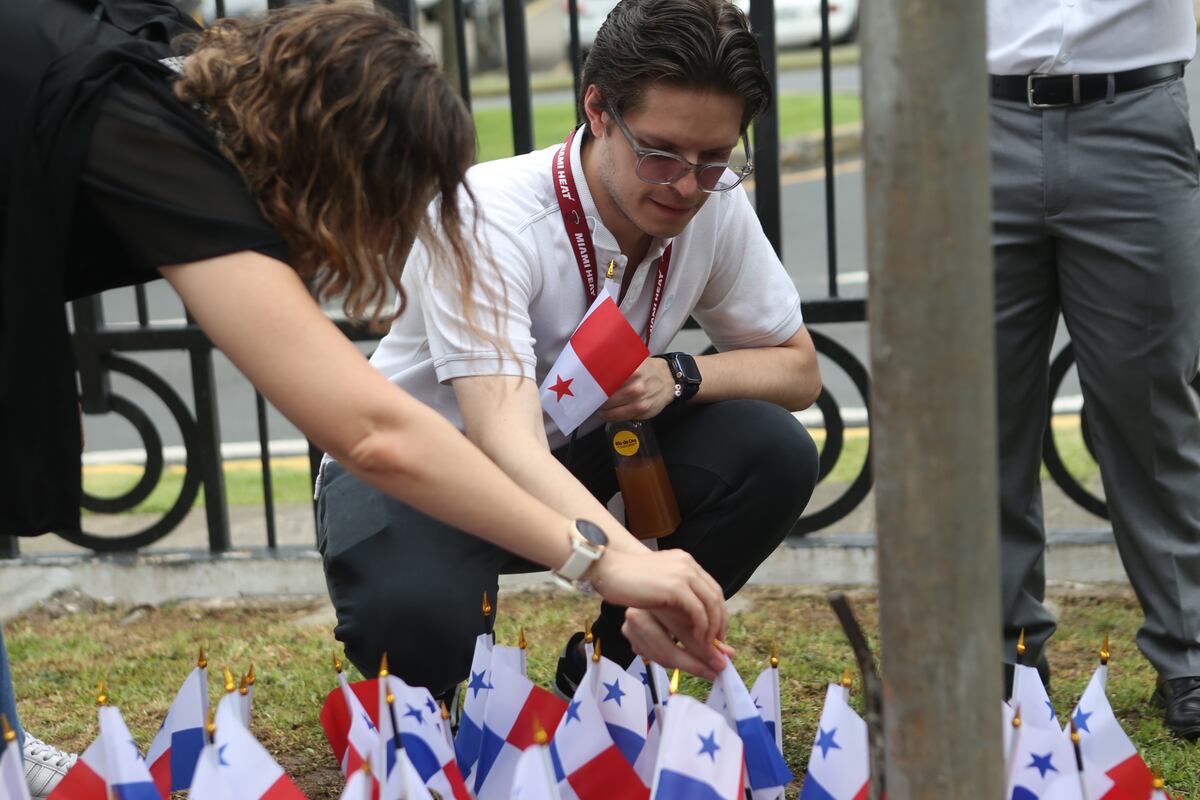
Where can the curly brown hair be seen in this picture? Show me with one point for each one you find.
(345, 130)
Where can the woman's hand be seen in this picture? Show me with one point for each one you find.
(671, 600)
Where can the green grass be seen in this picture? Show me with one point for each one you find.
(243, 480)
(57, 657)
(798, 114)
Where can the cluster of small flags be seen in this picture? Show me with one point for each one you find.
(1090, 758)
(615, 738)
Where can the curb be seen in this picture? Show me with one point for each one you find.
(820, 561)
(805, 152)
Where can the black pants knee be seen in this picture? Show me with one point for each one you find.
(404, 583)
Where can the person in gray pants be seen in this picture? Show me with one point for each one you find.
(1097, 215)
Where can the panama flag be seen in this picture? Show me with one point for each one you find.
(765, 696)
(1091, 785)
(644, 766)
(1105, 746)
(509, 727)
(363, 736)
(766, 770)
(638, 668)
(419, 722)
(1040, 757)
(126, 771)
(359, 786)
(13, 785)
(700, 756)
(839, 767)
(85, 780)
(1029, 695)
(533, 778)
(249, 772)
(600, 355)
(588, 765)
(208, 783)
(622, 701)
(176, 747)
(479, 689)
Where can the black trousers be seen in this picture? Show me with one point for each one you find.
(404, 583)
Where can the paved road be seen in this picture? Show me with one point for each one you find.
(804, 256)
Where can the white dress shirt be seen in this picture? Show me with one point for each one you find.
(1064, 37)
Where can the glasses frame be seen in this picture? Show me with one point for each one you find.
(685, 166)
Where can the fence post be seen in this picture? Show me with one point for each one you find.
(933, 396)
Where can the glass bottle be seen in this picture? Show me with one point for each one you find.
(651, 509)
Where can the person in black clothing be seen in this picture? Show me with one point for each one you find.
(254, 165)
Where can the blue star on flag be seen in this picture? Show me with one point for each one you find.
(1051, 707)
(573, 711)
(370, 725)
(429, 704)
(1081, 719)
(477, 682)
(221, 755)
(1042, 763)
(826, 742)
(614, 692)
(415, 713)
(709, 746)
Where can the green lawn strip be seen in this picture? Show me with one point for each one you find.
(798, 114)
(57, 659)
(495, 84)
(243, 480)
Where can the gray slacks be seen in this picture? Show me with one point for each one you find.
(1097, 215)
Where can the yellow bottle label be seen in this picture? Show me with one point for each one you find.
(626, 443)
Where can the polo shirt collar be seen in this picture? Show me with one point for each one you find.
(602, 239)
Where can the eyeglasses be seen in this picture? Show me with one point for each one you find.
(661, 167)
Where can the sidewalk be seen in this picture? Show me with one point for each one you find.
(1081, 550)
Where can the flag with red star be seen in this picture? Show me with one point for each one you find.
(599, 357)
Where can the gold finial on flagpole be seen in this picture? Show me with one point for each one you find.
(101, 695)
(245, 687)
(337, 663)
(487, 605)
(1157, 781)
(445, 711)
(521, 639)
(774, 655)
(612, 269)
(674, 686)
(596, 651)
(250, 674)
(210, 727)
(202, 660)
(1016, 721)
(846, 681)
(1104, 653)
(539, 733)
(587, 633)
(1074, 734)
(230, 686)
(9, 734)
(1021, 645)
(366, 766)
(383, 665)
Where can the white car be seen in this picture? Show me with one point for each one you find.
(797, 22)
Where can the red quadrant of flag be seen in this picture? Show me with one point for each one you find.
(608, 346)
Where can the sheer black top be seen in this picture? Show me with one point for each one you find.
(104, 177)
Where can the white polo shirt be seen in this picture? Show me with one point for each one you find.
(722, 270)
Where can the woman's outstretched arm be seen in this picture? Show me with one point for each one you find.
(259, 313)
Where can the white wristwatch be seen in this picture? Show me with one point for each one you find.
(588, 541)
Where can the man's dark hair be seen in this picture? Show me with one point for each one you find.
(692, 44)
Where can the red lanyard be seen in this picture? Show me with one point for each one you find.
(581, 238)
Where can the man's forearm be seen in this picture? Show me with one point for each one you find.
(786, 375)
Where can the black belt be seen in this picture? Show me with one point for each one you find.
(1054, 91)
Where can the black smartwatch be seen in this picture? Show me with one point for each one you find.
(686, 375)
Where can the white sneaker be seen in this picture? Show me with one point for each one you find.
(45, 766)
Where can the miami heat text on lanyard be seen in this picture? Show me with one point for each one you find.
(581, 237)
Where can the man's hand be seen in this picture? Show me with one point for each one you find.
(647, 392)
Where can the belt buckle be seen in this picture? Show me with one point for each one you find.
(1030, 88)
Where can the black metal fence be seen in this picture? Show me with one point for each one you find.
(100, 347)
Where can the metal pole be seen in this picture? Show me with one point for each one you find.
(831, 249)
(766, 131)
(933, 401)
(520, 95)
